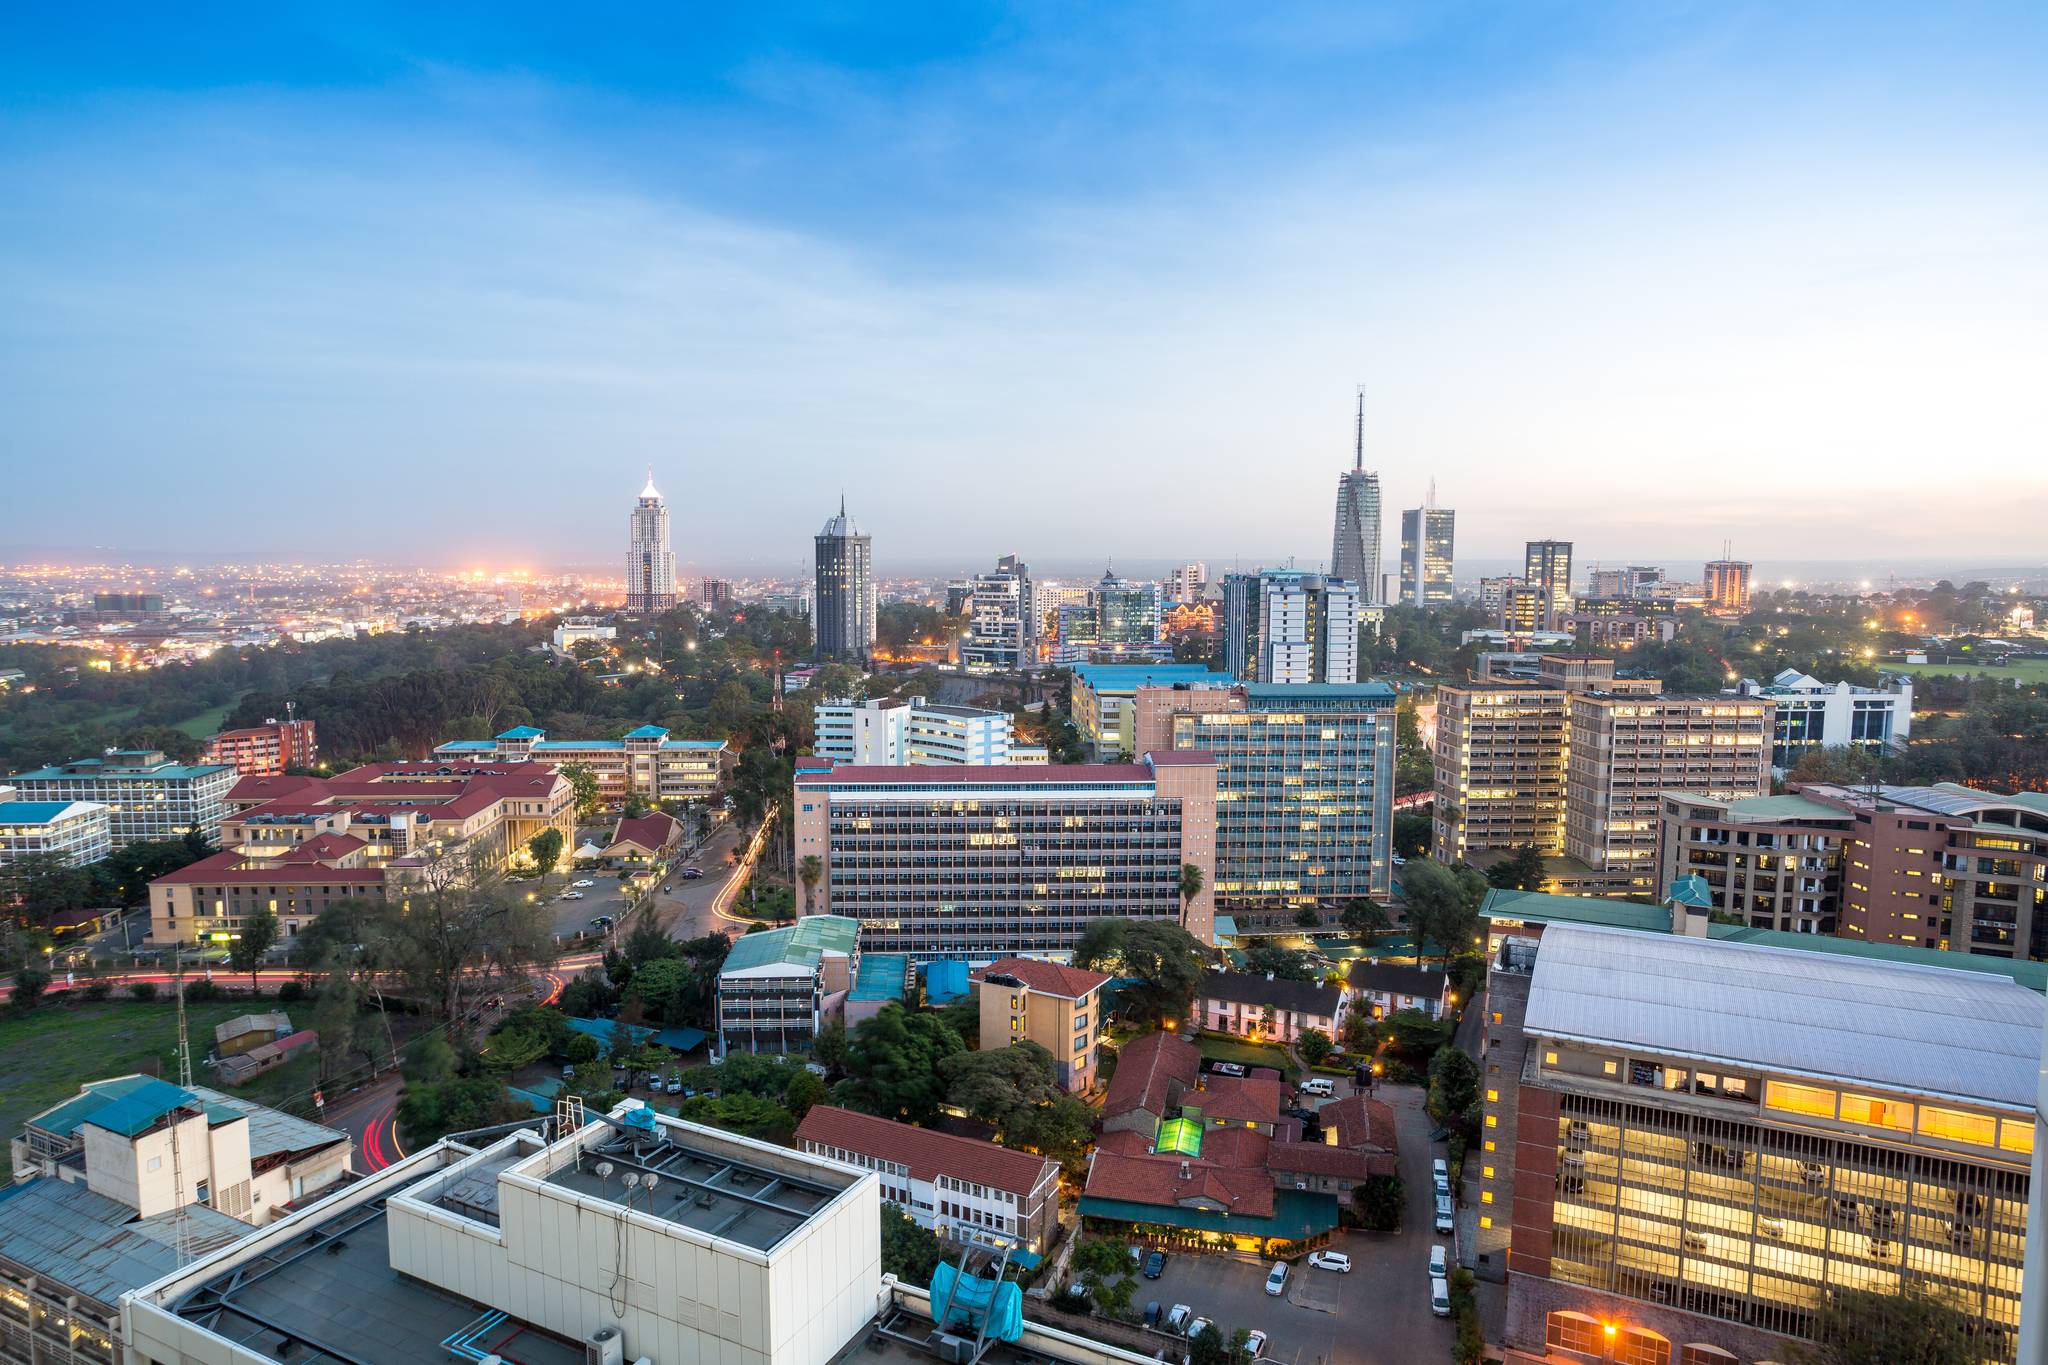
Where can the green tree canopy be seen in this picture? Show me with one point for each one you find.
(1364, 916)
(1522, 871)
(1443, 904)
(1167, 963)
(893, 1063)
(997, 1085)
(245, 953)
(1858, 1326)
(1453, 1086)
(909, 1252)
(1314, 1044)
(546, 848)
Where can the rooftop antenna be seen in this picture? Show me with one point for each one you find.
(1431, 504)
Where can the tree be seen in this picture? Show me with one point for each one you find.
(754, 1116)
(1412, 834)
(1167, 963)
(1453, 1087)
(1219, 1346)
(1102, 1258)
(1364, 917)
(334, 1019)
(1114, 1296)
(44, 885)
(1314, 1045)
(1100, 946)
(1377, 1203)
(1191, 884)
(1361, 1033)
(546, 848)
(893, 1063)
(448, 935)
(1443, 905)
(1413, 1036)
(634, 806)
(583, 782)
(1521, 872)
(996, 1086)
(668, 989)
(909, 1252)
(803, 1091)
(245, 954)
(1308, 917)
(1916, 1324)
(829, 1048)
(1292, 964)
(29, 985)
(811, 870)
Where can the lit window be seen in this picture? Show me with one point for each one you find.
(1550, 1059)
(1610, 1066)
(1486, 1196)
(1800, 1099)
(1493, 1095)
(1877, 1113)
(2016, 1135)
(1493, 1121)
(1953, 1125)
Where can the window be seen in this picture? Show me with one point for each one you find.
(1954, 1125)
(1699, 1353)
(1637, 1347)
(156, 1163)
(1573, 1332)
(1800, 1099)
(2016, 1135)
(1877, 1113)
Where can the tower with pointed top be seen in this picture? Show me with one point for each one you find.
(843, 609)
(1355, 548)
(650, 563)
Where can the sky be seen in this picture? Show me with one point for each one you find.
(1065, 280)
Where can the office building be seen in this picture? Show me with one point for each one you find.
(1427, 535)
(1811, 714)
(1184, 585)
(714, 594)
(789, 603)
(1727, 586)
(75, 831)
(1286, 626)
(1500, 768)
(966, 1190)
(843, 605)
(1027, 1000)
(266, 749)
(1524, 608)
(987, 862)
(1770, 862)
(1635, 581)
(1691, 1136)
(576, 630)
(890, 732)
(1126, 613)
(645, 763)
(1355, 545)
(146, 795)
(293, 846)
(128, 605)
(1001, 633)
(650, 561)
(1606, 630)
(1304, 786)
(1102, 697)
(776, 987)
(1548, 565)
(1268, 1008)
(1625, 751)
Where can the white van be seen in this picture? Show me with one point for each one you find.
(1441, 1169)
(1446, 1221)
(1318, 1085)
(1439, 1296)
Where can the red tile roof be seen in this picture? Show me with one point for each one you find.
(1008, 775)
(653, 831)
(225, 868)
(1247, 1099)
(1361, 1122)
(1159, 1180)
(1047, 978)
(928, 1154)
(1151, 1073)
(322, 847)
(1316, 1158)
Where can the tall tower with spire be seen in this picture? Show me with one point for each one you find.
(843, 608)
(1355, 547)
(650, 563)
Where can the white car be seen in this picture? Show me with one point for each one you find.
(1439, 1262)
(1330, 1260)
(1276, 1282)
(1254, 1344)
(1446, 1221)
(572, 895)
(1177, 1317)
(1439, 1296)
(585, 884)
(1198, 1326)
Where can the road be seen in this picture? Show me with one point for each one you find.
(370, 1116)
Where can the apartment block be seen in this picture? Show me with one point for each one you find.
(985, 862)
(266, 749)
(1286, 626)
(1023, 999)
(1500, 768)
(1689, 1140)
(1770, 862)
(891, 731)
(1547, 564)
(1304, 785)
(776, 987)
(146, 795)
(1626, 751)
(1103, 695)
(646, 762)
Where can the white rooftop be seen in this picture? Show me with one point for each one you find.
(1899, 1026)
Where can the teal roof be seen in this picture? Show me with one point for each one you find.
(1367, 691)
(92, 768)
(601, 1029)
(1297, 1216)
(547, 745)
(523, 732)
(801, 944)
(32, 812)
(66, 1118)
(693, 744)
(1692, 891)
(141, 1108)
(681, 1039)
(1129, 677)
(882, 976)
(467, 746)
(1540, 907)
(945, 980)
(646, 732)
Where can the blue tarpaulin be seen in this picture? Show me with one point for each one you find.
(964, 1301)
(681, 1039)
(945, 980)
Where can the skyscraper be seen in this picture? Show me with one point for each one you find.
(1126, 613)
(1547, 564)
(1727, 585)
(1000, 629)
(650, 563)
(1286, 626)
(1184, 584)
(843, 615)
(1426, 554)
(1355, 548)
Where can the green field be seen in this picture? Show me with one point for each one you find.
(46, 1054)
(2024, 670)
(1218, 1048)
(207, 723)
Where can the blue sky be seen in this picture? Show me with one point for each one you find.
(1065, 280)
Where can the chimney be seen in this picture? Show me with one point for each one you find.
(1184, 1173)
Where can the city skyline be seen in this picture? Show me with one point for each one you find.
(1673, 244)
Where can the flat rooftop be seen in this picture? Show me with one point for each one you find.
(1905, 1027)
(701, 1187)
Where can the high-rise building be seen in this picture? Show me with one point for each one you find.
(1304, 785)
(1426, 557)
(843, 612)
(1727, 585)
(1000, 630)
(1813, 715)
(1548, 565)
(1627, 751)
(1184, 585)
(1525, 607)
(1500, 768)
(1632, 581)
(1493, 595)
(891, 732)
(1126, 613)
(1769, 862)
(714, 593)
(1355, 546)
(146, 795)
(989, 861)
(1287, 626)
(650, 562)
(258, 750)
(1692, 1142)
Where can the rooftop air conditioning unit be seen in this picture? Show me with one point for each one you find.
(605, 1347)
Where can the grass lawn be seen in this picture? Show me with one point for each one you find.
(207, 723)
(47, 1054)
(2024, 670)
(1217, 1047)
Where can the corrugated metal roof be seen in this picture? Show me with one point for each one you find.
(271, 1131)
(65, 1118)
(801, 944)
(139, 1109)
(1924, 1030)
(96, 1246)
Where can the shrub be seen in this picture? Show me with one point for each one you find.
(143, 990)
(97, 990)
(291, 992)
(202, 992)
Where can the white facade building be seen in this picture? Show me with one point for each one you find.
(75, 831)
(891, 732)
(650, 562)
(646, 762)
(146, 795)
(1000, 625)
(1812, 714)
(1286, 626)
(1184, 584)
(574, 630)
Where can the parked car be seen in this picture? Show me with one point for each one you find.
(1439, 1296)
(583, 885)
(1330, 1260)
(1152, 1313)
(1439, 1262)
(690, 874)
(1155, 1265)
(675, 1085)
(1255, 1343)
(1226, 1068)
(1446, 1221)
(1276, 1280)
(1321, 1086)
(1198, 1326)
(572, 895)
(1177, 1317)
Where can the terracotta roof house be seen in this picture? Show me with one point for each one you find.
(645, 839)
(1276, 1008)
(1024, 999)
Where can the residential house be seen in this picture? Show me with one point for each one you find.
(1023, 999)
(1268, 1008)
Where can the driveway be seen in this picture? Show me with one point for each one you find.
(1230, 1291)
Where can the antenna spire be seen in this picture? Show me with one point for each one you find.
(1358, 451)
